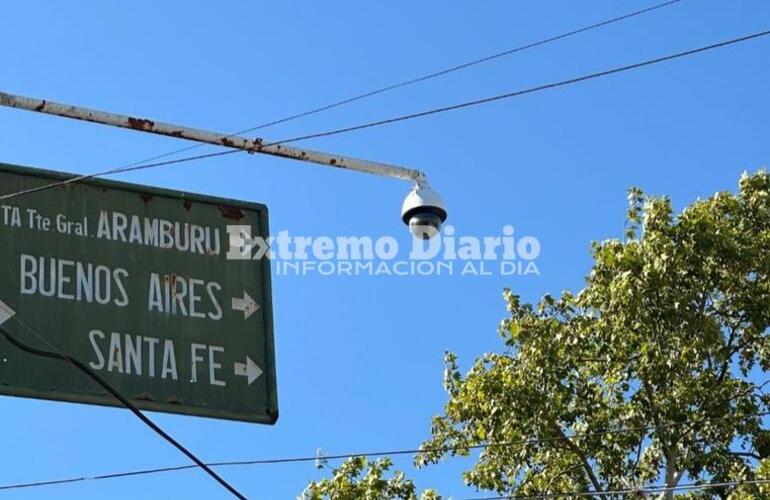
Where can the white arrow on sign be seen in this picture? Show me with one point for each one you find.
(246, 304)
(6, 312)
(248, 369)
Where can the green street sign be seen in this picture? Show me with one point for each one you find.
(162, 293)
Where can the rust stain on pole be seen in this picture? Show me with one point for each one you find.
(140, 123)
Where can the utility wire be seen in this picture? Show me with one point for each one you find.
(122, 399)
(462, 66)
(454, 107)
(530, 90)
(423, 78)
(119, 170)
(572, 494)
(629, 491)
(290, 460)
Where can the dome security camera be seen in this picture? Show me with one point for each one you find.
(423, 211)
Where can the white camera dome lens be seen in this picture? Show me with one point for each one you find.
(425, 225)
(423, 211)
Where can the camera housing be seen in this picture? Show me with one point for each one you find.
(424, 212)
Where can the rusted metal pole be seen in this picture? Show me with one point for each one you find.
(219, 139)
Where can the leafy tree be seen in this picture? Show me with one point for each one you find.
(751, 491)
(652, 374)
(646, 376)
(350, 483)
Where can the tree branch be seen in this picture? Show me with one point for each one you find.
(635, 467)
(557, 476)
(668, 451)
(747, 454)
(729, 355)
(681, 469)
(656, 417)
(578, 452)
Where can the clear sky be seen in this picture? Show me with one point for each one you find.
(359, 359)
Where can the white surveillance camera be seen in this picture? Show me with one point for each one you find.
(424, 212)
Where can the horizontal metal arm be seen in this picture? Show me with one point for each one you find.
(251, 145)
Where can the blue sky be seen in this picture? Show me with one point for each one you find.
(359, 359)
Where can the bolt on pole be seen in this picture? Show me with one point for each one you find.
(204, 136)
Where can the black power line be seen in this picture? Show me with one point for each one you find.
(531, 90)
(124, 401)
(118, 170)
(423, 78)
(629, 491)
(462, 66)
(342, 456)
(411, 116)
